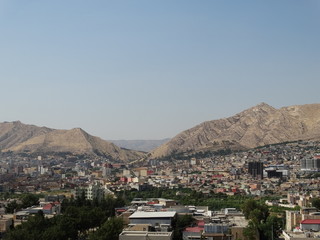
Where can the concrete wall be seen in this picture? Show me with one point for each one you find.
(152, 221)
(186, 235)
(313, 227)
(141, 235)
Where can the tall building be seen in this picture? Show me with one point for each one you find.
(106, 170)
(311, 164)
(93, 191)
(255, 169)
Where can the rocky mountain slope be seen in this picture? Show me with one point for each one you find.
(256, 126)
(140, 145)
(14, 133)
(19, 137)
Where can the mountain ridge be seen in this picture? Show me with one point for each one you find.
(253, 127)
(256, 126)
(18, 137)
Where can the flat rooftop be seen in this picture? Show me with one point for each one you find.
(300, 235)
(238, 221)
(143, 233)
(139, 214)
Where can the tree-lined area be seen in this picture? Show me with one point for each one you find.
(20, 201)
(80, 219)
(263, 224)
(185, 196)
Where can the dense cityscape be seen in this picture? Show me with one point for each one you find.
(150, 196)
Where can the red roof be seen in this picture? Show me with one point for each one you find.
(311, 221)
(48, 206)
(121, 210)
(218, 176)
(194, 229)
(201, 224)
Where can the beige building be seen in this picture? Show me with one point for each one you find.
(294, 218)
(5, 224)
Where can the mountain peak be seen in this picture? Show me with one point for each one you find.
(261, 107)
(77, 130)
(33, 139)
(263, 104)
(257, 126)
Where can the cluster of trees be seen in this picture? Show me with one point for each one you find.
(262, 224)
(94, 220)
(81, 219)
(77, 225)
(84, 219)
(187, 196)
(24, 201)
(38, 227)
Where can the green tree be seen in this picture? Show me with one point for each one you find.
(315, 202)
(251, 232)
(30, 230)
(250, 205)
(29, 200)
(180, 224)
(12, 206)
(261, 223)
(270, 229)
(109, 230)
(63, 227)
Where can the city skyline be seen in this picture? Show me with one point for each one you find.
(149, 70)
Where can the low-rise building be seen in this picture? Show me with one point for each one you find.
(310, 225)
(5, 224)
(144, 235)
(155, 219)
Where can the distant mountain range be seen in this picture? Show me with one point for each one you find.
(256, 126)
(140, 145)
(18, 137)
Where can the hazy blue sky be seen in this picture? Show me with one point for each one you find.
(134, 69)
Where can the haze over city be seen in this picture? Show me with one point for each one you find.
(150, 69)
